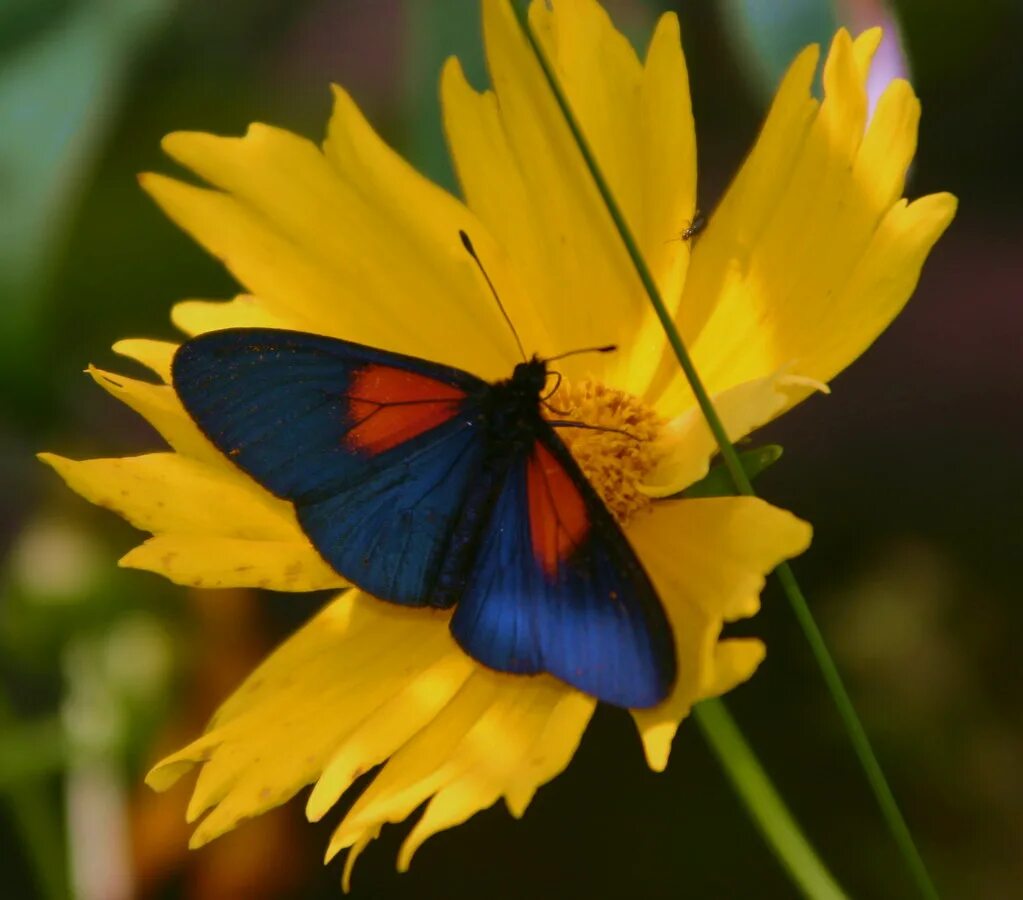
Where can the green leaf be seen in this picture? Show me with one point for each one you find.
(718, 482)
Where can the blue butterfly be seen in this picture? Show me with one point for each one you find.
(427, 486)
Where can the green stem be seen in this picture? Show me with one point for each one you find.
(854, 727)
(763, 803)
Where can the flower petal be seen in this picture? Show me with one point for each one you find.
(500, 736)
(160, 406)
(803, 247)
(396, 686)
(352, 659)
(389, 727)
(688, 444)
(213, 525)
(708, 559)
(419, 229)
(882, 281)
(298, 230)
(166, 493)
(735, 660)
(154, 355)
(244, 311)
(212, 561)
(524, 176)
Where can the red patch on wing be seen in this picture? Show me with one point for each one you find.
(558, 521)
(392, 406)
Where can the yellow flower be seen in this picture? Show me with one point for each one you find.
(807, 258)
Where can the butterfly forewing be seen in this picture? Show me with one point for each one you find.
(375, 449)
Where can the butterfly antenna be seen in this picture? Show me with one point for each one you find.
(607, 348)
(472, 252)
(570, 423)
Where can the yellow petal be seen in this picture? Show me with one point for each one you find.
(708, 559)
(166, 492)
(338, 254)
(353, 854)
(411, 777)
(500, 736)
(388, 727)
(215, 527)
(734, 661)
(552, 751)
(419, 225)
(278, 732)
(668, 164)
(154, 355)
(808, 218)
(160, 406)
(885, 277)
(256, 254)
(244, 311)
(688, 444)
(637, 119)
(734, 229)
(212, 561)
(524, 176)
(364, 681)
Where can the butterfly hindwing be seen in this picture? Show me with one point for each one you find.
(376, 450)
(557, 588)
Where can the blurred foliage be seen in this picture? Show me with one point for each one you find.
(769, 35)
(432, 34)
(912, 571)
(63, 70)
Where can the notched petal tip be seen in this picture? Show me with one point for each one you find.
(938, 209)
(452, 77)
(865, 45)
(734, 661)
(353, 854)
(153, 354)
(191, 147)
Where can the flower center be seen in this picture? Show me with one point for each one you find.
(614, 462)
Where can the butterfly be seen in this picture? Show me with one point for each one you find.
(424, 485)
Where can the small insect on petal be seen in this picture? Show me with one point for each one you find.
(695, 226)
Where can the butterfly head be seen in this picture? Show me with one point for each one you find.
(530, 377)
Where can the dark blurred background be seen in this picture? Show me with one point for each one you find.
(910, 473)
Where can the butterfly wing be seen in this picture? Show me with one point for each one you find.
(556, 588)
(375, 449)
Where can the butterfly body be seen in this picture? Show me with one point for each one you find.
(427, 486)
(508, 414)
(513, 414)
